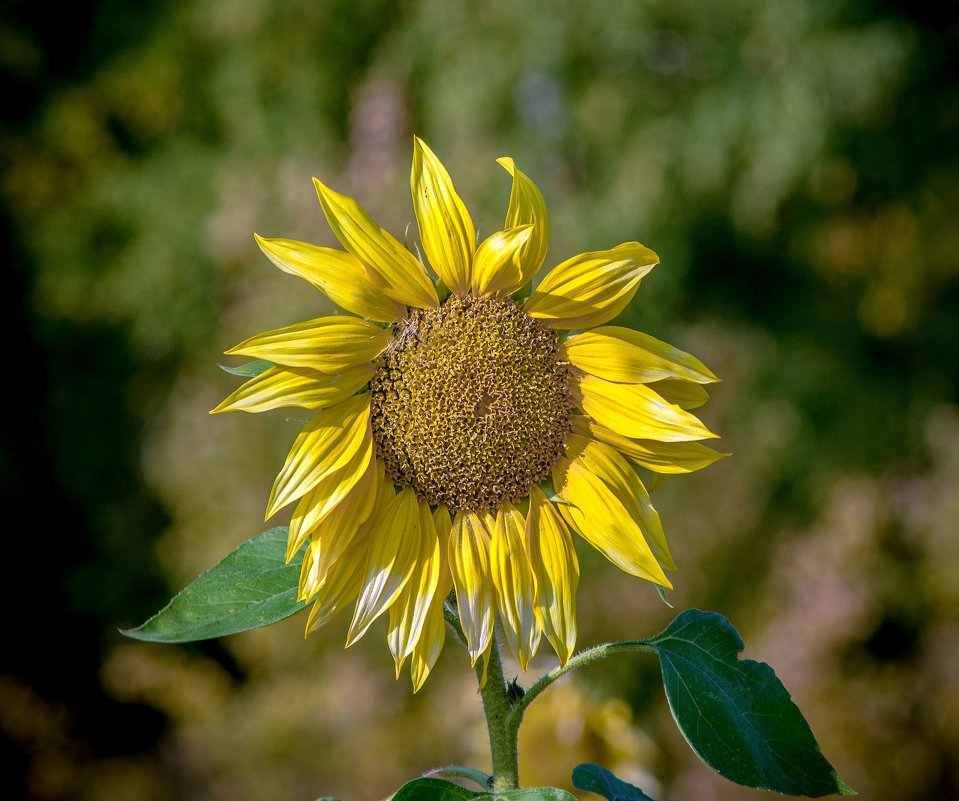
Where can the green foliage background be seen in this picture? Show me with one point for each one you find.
(795, 163)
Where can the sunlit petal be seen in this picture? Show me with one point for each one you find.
(338, 275)
(296, 386)
(600, 518)
(327, 344)
(446, 230)
(513, 579)
(430, 643)
(607, 464)
(331, 439)
(624, 355)
(634, 410)
(592, 288)
(526, 206)
(684, 394)
(660, 457)
(335, 594)
(332, 517)
(498, 265)
(394, 544)
(556, 571)
(408, 614)
(392, 268)
(470, 567)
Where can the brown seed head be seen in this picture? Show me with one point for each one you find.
(470, 403)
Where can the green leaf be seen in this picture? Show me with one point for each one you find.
(432, 789)
(251, 587)
(735, 714)
(248, 370)
(596, 779)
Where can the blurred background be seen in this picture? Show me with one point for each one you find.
(795, 163)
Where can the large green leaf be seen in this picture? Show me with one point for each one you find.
(596, 779)
(736, 715)
(534, 794)
(432, 789)
(251, 587)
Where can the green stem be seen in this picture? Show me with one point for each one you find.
(496, 706)
(515, 717)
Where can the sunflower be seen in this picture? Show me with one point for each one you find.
(459, 433)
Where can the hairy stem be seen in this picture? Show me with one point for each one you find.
(496, 706)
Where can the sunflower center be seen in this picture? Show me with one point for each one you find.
(470, 404)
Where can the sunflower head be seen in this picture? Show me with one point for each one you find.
(437, 420)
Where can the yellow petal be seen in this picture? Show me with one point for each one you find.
(429, 645)
(311, 577)
(408, 614)
(296, 386)
(497, 266)
(334, 437)
(394, 544)
(329, 544)
(338, 275)
(446, 230)
(513, 579)
(660, 457)
(599, 517)
(316, 571)
(607, 464)
(469, 565)
(526, 206)
(444, 524)
(327, 344)
(630, 357)
(332, 516)
(634, 410)
(328, 549)
(391, 267)
(556, 571)
(592, 288)
(321, 501)
(684, 394)
(335, 594)
(484, 662)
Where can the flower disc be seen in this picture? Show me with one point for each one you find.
(470, 403)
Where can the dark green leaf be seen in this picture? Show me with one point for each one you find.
(250, 369)
(596, 779)
(534, 794)
(251, 587)
(735, 714)
(432, 789)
